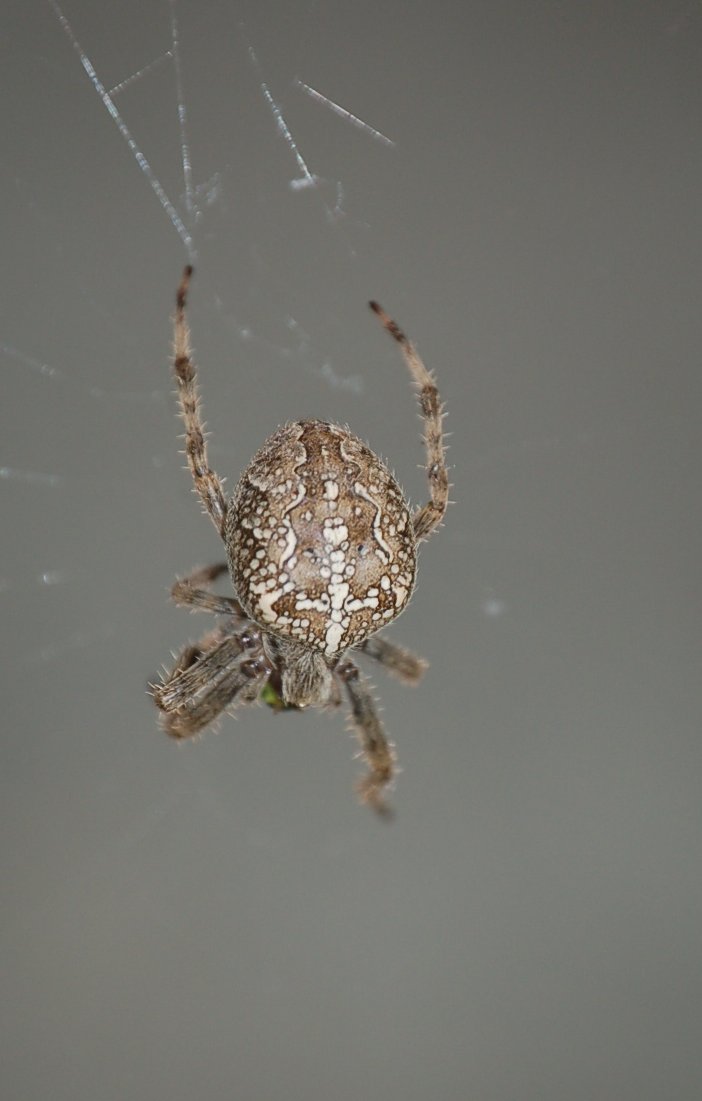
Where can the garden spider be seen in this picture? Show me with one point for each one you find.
(321, 548)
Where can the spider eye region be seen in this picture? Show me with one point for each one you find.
(319, 538)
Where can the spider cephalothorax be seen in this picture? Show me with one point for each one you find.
(321, 548)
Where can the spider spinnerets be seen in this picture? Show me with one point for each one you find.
(321, 550)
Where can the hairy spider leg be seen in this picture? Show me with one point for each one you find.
(427, 518)
(378, 753)
(192, 696)
(207, 483)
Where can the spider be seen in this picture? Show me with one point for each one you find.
(321, 549)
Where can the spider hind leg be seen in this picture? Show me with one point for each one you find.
(427, 518)
(207, 484)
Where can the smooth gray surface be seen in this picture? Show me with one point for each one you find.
(222, 920)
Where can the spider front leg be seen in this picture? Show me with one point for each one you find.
(374, 745)
(427, 518)
(207, 484)
(208, 678)
(192, 653)
(187, 593)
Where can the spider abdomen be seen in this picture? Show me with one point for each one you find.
(319, 538)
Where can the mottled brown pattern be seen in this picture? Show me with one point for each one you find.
(321, 547)
(310, 482)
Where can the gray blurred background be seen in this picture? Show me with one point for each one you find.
(222, 920)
